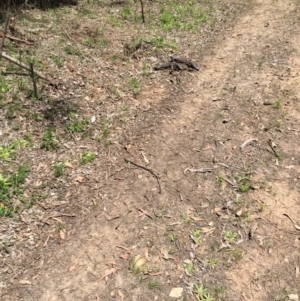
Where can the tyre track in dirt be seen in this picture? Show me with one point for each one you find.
(228, 88)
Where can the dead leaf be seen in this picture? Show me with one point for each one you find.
(144, 157)
(124, 256)
(70, 67)
(176, 292)
(110, 218)
(62, 234)
(68, 164)
(153, 273)
(124, 248)
(38, 183)
(293, 297)
(121, 295)
(25, 282)
(165, 255)
(79, 179)
(240, 212)
(108, 272)
(207, 230)
(196, 218)
(93, 119)
(218, 210)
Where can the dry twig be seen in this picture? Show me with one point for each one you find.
(22, 65)
(147, 169)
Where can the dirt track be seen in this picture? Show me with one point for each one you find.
(255, 63)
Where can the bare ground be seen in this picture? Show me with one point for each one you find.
(246, 207)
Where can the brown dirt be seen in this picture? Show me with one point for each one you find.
(121, 214)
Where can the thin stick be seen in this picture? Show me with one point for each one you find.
(5, 31)
(33, 81)
(272, 148)
(15, 39)
(14, 73)
(142, 10)
(22, 65)
(68, 36)
(147, 169)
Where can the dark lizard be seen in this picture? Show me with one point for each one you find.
(184, 61)
(169, 65)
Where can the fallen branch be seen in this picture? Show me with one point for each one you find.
(248, 142)
(22, 65)
(15, 39)
(5, 31)
(147, 169)
(200, 170)
(142, 11)
(32, 75)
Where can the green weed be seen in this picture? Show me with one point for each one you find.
(49, 142)
(57, 60)
(190, 268)
(4, 86)
(212, 263)
(220, 180)
(196, 236)
(76, 125)
(153, 284)
(10, 187)
(277, 104)
(172, 237)
(126, 12)
(58, 169)
(9, 152)
(72, 50)
(161, 43)
(230, 236)
(94, 42)
(134, 86)
(202, 293)
(87, 157)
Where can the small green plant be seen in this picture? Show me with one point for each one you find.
(105, 128)
(212, 262)
(172, 237)
(57, 60)
(277, 104)
(153, 284)
(230, 236)
(94, 42)
(58, 169)
(76, 125)
(10, 187)
(87, 157)
(196, 236)
(71, 50)
(245, 184)
(168, 19)
(186, 218)
(160, 43)
(8, 152)
(126, 12)
(220, 180)
(189, 268)
(202, 293)
(4, 86)
(237, 254)
(49, 142)
(146, 70)
(134, 86)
